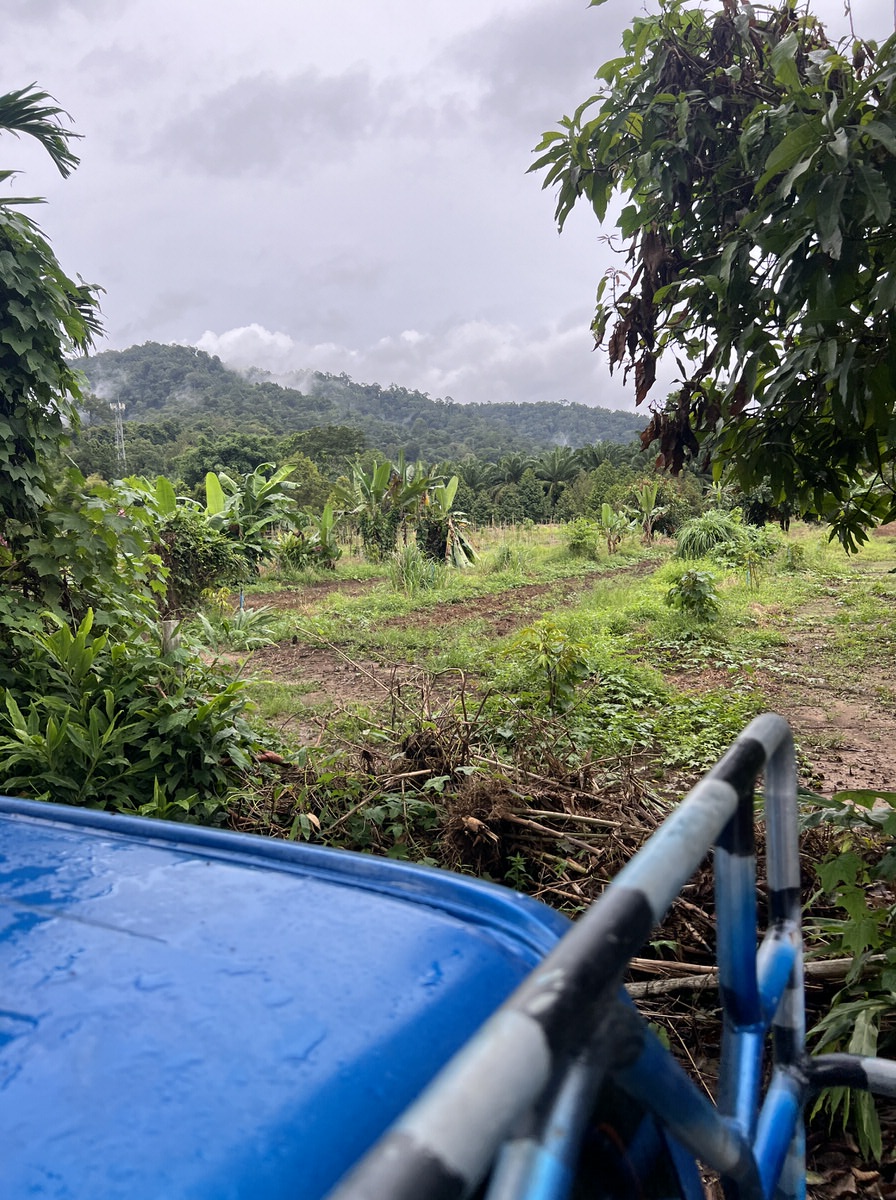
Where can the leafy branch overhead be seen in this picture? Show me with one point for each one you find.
(757, 163)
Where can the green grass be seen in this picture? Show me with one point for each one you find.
(275, 701)
(644, 690)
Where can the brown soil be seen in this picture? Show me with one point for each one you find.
(303, 595)
(844, 721)
(335, 676)
(339, 679)
(505, 613)
(844, 724)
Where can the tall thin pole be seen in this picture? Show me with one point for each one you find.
(117, 407)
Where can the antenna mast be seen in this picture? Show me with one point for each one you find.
(117, 407)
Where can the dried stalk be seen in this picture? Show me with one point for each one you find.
(700, 977)
(600, 822)
(558, 835)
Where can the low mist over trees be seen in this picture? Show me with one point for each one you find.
(182, 406)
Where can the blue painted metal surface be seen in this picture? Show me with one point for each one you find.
(194, 1014)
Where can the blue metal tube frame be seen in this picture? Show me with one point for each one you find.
(522, 1081)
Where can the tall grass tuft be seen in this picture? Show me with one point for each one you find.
(504, 560)
(411, 571)
(698, 537)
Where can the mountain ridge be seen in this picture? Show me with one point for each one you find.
(157, 382)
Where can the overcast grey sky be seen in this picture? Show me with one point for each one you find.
(334, 185)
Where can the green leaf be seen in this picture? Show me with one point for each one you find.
(842, 869)
(165, 497)
(215, 500)
(882, 134)
(876, 190)
(792, 148)
(865, 797)
(782, 60)
(829, 215)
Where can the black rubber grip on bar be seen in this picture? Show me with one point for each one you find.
(741, 765)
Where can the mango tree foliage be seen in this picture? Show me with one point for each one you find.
(757, 164)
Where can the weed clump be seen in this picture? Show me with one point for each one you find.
(412, 571)
(700, 536)
(694, 593)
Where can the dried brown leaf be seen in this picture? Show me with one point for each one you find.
(645, 376)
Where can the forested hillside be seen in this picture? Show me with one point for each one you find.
(181, 402)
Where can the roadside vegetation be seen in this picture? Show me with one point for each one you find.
(533, 724)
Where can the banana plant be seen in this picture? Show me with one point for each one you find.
(649, 511)
(249, 509)
(381, 500)
(440, 531)
(613, 526)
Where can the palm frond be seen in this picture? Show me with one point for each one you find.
(34, 112)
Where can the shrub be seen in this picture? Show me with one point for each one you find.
(694, 593)
(443, 538)
(293, 553)
(198, 557)
(504, 559)
(311, 545)
(244, 629)
(794, 557)
(379, 533)
(581, 538)
(753, 547)
(411, 571)
(108, 724)
(557, 661)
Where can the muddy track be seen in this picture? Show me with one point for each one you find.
(845, 725)
(514, 609)
(337, 677)
(304, 594)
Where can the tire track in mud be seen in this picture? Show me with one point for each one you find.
(341, 679)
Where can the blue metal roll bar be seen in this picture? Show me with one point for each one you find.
(512, 1108)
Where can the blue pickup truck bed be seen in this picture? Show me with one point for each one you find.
(198, 1014)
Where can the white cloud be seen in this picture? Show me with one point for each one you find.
(252, 346)
(471, 361)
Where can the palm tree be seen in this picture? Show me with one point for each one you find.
(511, 468)
(556, 468)
(591, 456)
(26, 112)
(478, 475)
